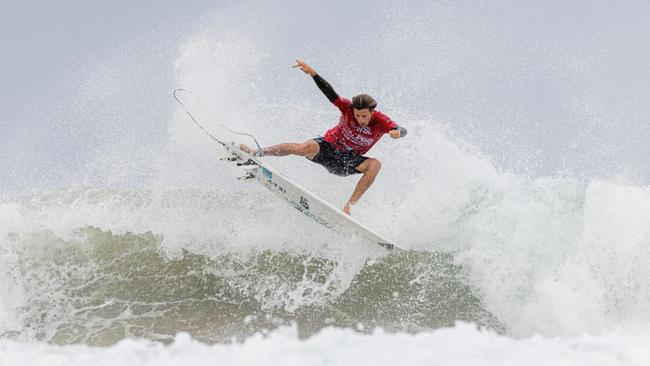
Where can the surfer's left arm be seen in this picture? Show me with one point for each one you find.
(397, 132)
(391, 128)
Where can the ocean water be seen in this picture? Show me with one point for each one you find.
(528, 228)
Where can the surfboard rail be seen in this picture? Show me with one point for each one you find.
(307, 202)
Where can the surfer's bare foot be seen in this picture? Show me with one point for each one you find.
(248, 149)
(347, 208)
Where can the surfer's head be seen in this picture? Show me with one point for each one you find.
(363, 105)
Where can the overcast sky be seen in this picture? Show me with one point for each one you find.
(44, 39)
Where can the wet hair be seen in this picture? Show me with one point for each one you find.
(363, 101)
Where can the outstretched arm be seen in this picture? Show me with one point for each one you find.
(323, 85)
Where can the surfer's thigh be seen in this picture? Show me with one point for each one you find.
(308, 149)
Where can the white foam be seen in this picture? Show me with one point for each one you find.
(460, 345)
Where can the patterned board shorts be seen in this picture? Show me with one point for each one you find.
(337, 162)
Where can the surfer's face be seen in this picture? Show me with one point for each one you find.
(363, 116)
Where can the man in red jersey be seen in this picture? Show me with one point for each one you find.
(341, 150)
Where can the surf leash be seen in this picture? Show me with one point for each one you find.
(178, 99)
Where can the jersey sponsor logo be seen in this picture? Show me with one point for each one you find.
(356, 139)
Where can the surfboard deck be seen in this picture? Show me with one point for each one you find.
(305, 201)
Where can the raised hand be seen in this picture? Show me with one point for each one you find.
(305, 68)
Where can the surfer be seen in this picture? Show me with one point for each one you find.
(341, 150)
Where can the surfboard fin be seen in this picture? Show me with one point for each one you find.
(247, 177)
(245, 163)
(229, 157)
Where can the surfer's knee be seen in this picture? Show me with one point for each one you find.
(375, 164)
(371, 165)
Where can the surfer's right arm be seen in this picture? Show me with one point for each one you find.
(322, 84)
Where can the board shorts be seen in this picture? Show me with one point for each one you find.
(342, 163)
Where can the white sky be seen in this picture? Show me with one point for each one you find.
(42, 39)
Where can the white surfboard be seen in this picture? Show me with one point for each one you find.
(305, 201)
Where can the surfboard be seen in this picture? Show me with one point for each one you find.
(305, 201)
(300, 198)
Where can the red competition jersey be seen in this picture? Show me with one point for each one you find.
(347, 135)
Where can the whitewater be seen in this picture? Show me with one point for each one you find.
(138, 246)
